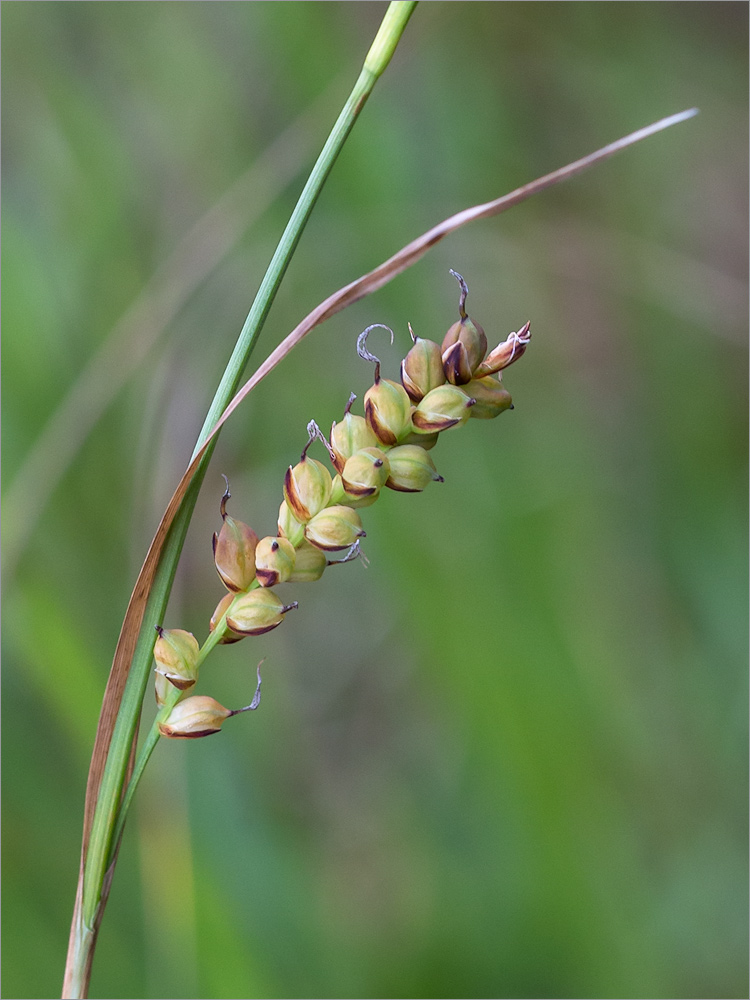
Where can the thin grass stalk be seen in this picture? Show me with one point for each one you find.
(117, 731)
(353, 292)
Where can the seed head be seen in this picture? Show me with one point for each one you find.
(176, 655)
(221, 609)
(411, 469)
(334, 528)
(307, 488)
(422, 438)
(465, 343)
(492, 398)
(350, 435)
(234, 551)
(506, 353)
(340, 496)
(442, 408)
(387, 406)
(309, 564)
(387, 410)
(274, 561)
(257, 612)
(422, 368)
(365, 472)
(201, 715)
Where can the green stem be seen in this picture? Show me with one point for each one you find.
(152, 738)
(105, 822)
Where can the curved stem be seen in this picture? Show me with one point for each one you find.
(110, 790)
(152, 738)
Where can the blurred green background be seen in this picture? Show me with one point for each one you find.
(508, 759)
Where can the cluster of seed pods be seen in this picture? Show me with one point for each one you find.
(441, 387)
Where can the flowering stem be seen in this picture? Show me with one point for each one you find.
(101, 847)
(152, 738)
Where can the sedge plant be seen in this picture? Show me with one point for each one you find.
(387, 446)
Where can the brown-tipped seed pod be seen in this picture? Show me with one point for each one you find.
(257, 612)
(387, 410)
(221, 609)
(460, 362)
(340, 496)
(492, 398)
(309, 564)
(422, 368)
(289, 526)
(349, 436)
(411, 469)
(234, 551)
(334, 528)
(365, 472)
(456, 364)
(274, 561)
(199, 715)
(506, 353)
(307, 488)
(442, 408)
(176, 655)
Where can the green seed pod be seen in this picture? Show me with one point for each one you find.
(442, 408)
(234, 551)
(422, 368)
(349, 436)
(199, 715)
(464, 345)
(411, 469)
(423, 439)
(491, 396)
(289, 526)
(387, 410)
(176, 655)
(257, 612)
(221, 608)
(365, 472)
(334, 528)
(309, 564)
(340, 496)
(274, 561)
(506, 353)
(307, 488)
(387, 405)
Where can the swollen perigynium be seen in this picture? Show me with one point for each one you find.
(441, 386)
